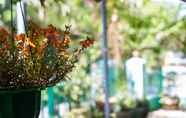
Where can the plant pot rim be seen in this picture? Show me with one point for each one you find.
(18, 90)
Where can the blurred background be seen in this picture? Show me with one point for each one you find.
(156, 28)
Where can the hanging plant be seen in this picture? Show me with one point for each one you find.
(39, 58)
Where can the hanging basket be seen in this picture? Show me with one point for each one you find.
(24, 74)
(31, 61)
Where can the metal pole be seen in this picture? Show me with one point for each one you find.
(105, 57)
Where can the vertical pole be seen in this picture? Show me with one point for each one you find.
(105, 56)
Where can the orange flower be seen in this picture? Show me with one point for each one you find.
(30, 43)
(35, 30)
(20, 37)
(66, 41)
(26, 52)
(56, 42)
(87, 43)
(51, 32)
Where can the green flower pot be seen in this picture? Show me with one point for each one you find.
(20, 103)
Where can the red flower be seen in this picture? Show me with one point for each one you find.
(3, 34)
(6, 45)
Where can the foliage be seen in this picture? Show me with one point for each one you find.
(39, 58)
(77, 90)
(151, 27)
(124, 102)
